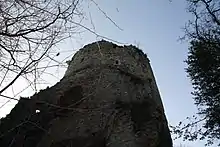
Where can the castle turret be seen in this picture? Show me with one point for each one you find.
(108, 97)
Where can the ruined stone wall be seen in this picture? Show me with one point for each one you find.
(129, 60)
(108, 97)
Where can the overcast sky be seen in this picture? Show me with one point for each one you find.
(155, 26)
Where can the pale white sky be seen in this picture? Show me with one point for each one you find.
(153, 25)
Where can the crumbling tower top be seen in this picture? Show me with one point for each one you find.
(107, 55)
(104, 53)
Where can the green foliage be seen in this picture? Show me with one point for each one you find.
(204, 70)
(203, 62)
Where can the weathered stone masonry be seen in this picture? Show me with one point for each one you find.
(108, 97)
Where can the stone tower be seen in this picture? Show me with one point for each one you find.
(108, 97)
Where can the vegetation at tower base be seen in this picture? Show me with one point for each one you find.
(203, 68)
(107, 97)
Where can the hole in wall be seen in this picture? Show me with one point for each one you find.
(117, 62)
(37, 111)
